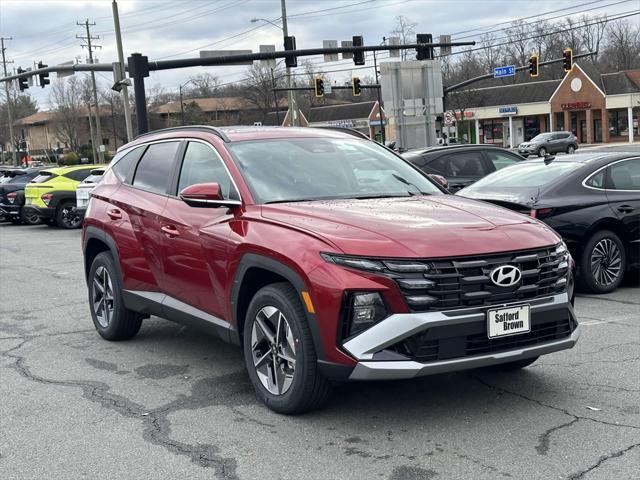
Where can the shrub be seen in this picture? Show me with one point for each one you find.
(71, 158)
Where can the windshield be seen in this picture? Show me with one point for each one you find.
(19, 179)
(543, 137)
(299, 169)
(532, 174)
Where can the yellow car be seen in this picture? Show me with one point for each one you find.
(52, 195)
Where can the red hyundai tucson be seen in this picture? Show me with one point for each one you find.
(324, 256)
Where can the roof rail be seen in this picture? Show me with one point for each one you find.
(203, 128)
(351, 131)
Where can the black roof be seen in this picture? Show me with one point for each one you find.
(587, 157)
(347, 111)
(440, 148)
(618, 83)
(509, 94)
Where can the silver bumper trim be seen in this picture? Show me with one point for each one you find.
(409, 369)
(399, 326)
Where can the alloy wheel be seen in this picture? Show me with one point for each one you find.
(542, 152)
(70, 217)
(273, 350)
(571, 149)
(606, 262)
(102, 295)
(30, 218)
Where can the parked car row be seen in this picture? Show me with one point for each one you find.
(36, 195)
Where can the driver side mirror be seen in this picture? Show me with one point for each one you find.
(439, 179)
(206, 195)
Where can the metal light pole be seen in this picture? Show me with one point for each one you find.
(181, 101)
(375, 68)
(6, 89)
(125, 88)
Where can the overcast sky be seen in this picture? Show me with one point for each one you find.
(46, 29)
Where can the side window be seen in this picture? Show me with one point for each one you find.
(122, 164)
(78, 175)
(625, 175)
(153, 172)
(501, 159)
(203, 165)
(467, 164)
(597, 180)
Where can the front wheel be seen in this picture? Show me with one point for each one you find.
(279, 352)
(571, 149)
(112, 319)
(542, 152)
(67, 216)
(603, 263)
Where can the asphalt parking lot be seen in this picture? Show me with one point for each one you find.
(172, 403)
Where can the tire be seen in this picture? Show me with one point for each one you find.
(66, 216)
(542, 152)
(605, 248)
(510, 366)
(571, 149)
(301, 387)
(29, 219)
(112, 319)
(15, 220)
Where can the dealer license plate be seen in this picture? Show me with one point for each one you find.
(502, 322)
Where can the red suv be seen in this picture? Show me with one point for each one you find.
(325, 256)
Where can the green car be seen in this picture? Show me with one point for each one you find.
(52, 195)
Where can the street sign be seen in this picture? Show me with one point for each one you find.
(268, 48)
(448, 117)
(506, 71)
(330, 57)
(346, 44)
(394, 41)
(226, 53)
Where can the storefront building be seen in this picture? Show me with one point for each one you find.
(597, 108)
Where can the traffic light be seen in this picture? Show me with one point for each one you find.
(44, 77)
(567, 60)
(355, 86)
(23, 82)
(318, 87)
(533, 65)
(290, 44)
(358, 57)
(424, 53)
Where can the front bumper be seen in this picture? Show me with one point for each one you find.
(376, 363)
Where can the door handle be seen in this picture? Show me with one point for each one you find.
(170, 231)
(114, 214)
(625, 209)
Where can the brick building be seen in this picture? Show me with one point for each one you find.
(597, 108)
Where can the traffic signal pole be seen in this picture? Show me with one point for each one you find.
(7, 91)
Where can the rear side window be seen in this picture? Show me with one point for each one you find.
(78, 175)
(153, 172)
(122, 165)
(625, 175)
(467, 164)
(501, 159)
(44, 177)
(597, 180)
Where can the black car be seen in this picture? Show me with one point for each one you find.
(592, 200)
(461, 165)
(12, 196)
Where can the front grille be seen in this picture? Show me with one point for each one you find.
(435, 285)
(449, 342)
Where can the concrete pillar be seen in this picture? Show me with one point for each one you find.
(589, 119)
(630, 121)
(477, 131)
(550, 122)
(605, 125)
(567, 121)
(510, 131)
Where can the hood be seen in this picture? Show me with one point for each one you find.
(414, 227)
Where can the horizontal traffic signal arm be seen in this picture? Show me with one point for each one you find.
(333, 87)
(230, 59)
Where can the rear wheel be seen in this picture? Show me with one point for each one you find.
(542, 152)
(603, 263)
(29, 218)
(112, 319)
(67, 216)
(279, 352)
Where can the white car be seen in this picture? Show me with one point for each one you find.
(83, 190)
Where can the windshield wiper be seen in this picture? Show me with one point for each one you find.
(406, 182)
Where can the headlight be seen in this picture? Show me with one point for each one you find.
(565, 267)
(363, 310)
(353, 262)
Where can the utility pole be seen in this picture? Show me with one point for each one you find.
(90, 48)
(381, 115)
(7, 90)
(285, 33)
(125, 88)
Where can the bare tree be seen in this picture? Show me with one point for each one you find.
(405, 30)
(205, 85)
(66, 96)
(518, 35)
(623, 46)
(571, 37)
(592, 31)
(488, 53)
(258, 86)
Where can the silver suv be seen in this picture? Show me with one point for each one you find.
(552, 142)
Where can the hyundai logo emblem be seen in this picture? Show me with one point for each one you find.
(506, 276)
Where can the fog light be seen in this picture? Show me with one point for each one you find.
(366, 309)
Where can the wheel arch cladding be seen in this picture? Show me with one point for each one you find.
(255, 272)
(97, 241)
(612, 224)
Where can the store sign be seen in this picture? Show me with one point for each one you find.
(341, 123)
(466, 115)
(510, 110)
(575, 106)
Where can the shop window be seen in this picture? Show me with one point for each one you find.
(531, 127)
(559, 123)
(618, 123)
(492, 132)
